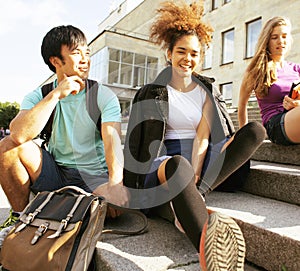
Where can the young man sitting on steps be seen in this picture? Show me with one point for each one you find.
(84, 159)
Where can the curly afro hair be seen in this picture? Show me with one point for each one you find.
(175, 20)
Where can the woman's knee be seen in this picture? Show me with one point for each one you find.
(161, 171)
(291, 130)
(253, 131)
(176, 164)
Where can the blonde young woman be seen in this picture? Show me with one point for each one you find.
(172, 124)
(270, 76)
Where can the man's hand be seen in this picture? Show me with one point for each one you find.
(116, 194)
(72, 84)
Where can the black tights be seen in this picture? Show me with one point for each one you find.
(245, 143)
(188, 205)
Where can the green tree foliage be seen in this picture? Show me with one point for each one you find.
(7, 112)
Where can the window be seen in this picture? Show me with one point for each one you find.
(99, 65)
(114, 55)
(113, 72)
(228, 46)
(214, 4)
(207, 63)
(226, 90)
(139, 70)
(253, 30)
(114, 66)
(151, 69)
(126, 74)
(127, 57)
(140, 60)
(125, 108)
(131, 69)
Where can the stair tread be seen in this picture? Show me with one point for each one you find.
(272, 215)
(276, 167)
(275, 153)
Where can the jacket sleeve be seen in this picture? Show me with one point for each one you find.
(226, 121)
(144, 134)
(222, 125)
(132, 143)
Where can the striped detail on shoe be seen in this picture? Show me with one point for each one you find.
(222, 245)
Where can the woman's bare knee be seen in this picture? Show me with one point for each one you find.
(161, 174)
(292, 130)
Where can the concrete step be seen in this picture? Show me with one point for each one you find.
(250, 119)
(253, 115)
(276, 181)
(271, 152)
(236, 122)
(252, 112)
(271, 228)
(161, 248)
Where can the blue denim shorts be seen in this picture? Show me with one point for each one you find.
(275, 130)
(183, 148)
(54, 177)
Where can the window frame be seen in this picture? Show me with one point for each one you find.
(214, 4)
(228, 101)
(224, 60)
(249, 53)
(208, 57)
(131, 76)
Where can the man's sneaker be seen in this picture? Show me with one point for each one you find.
(222, 245)
(7, 225)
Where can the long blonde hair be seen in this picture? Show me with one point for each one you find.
(261, 72)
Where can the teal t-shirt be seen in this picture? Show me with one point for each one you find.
(75, 141)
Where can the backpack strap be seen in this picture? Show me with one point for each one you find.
(46, 132)
(91, 105)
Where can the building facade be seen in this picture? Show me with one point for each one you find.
(237, 24)
(124, 59)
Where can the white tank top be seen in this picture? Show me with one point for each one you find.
(185, 112)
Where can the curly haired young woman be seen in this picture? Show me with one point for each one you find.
(177, 138)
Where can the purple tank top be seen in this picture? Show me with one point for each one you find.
(271, 105)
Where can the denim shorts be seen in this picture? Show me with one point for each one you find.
(275, 130)
(184, 148)
(54, 177)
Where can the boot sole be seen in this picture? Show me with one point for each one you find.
(222, 245)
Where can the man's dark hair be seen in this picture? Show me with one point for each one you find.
(58, 36)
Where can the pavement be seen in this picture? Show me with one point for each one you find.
(3, 201)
